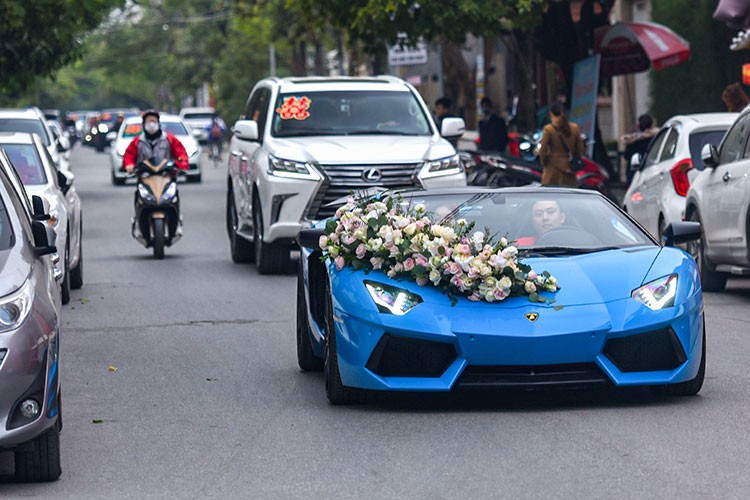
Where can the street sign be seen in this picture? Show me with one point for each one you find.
(402, 56)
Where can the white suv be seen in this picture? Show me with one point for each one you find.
(302, 143)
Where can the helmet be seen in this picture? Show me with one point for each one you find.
(149, 112)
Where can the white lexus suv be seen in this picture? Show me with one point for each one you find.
(302, 143)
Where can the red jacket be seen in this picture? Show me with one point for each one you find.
(176, 150)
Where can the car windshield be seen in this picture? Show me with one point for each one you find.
(548, 223)
(349, 113)
(700, 139)
(174, 128)
(6, 231)
(198, 116)
(28, 164)
(28, 125)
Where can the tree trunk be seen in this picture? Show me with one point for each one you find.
(298, 63)
(459, 83)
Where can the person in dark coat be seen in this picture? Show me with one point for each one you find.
(493, 134)
(442, 110)
(554, 155)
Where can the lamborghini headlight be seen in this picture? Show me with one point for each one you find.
(444, 166)
(658, 294)
(291, 169)
(145, 193)
(169, 193)
(392, 300)
(14, 308)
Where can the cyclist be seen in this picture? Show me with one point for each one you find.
(216, 135)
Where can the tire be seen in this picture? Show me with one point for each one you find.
(158, 238)
(711, 280)
(270, 258)
(196, 178)
(65, 285)
(242, 251)
(117, 181)
(660, 230)
(39, 460)
(306, 358)
(76, 274)
(336, 391)
(691, 387)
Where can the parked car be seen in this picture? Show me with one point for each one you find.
(719, 198)
(30, 404)
(173, 124)
(656, 196)
(40, 176)
(302, 143)
(199, 119)
(31, 120)
(628, 311)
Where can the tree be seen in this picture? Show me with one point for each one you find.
(39, 37)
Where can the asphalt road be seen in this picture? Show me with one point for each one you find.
(204, 398)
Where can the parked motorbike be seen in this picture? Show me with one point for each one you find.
(157, 222)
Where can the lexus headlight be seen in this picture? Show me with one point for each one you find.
(445, 166)
(144, 193)
(15, 307)
(658, 294)
(291, 169)
(392, 300)
(169, 193)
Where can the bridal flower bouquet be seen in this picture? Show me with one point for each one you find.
(406, 243)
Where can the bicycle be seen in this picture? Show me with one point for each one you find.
(214, 152)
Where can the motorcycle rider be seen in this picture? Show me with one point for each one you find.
(155, 145)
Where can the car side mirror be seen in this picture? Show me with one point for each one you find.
(310, 238)
(40, 208)
(677, 233)
(44, 238)
(247, 130)
(636, 162)
(710, 156)
(61, 148)
(65, 180)
(452, 127)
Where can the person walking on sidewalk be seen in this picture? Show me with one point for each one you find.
(560, 139)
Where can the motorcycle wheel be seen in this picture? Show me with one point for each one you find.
(158, 238)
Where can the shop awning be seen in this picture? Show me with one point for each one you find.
(634, 47)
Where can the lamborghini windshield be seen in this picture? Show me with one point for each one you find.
(553, 222)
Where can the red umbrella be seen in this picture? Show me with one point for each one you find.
(634, 47)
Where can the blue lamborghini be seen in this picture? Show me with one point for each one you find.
(628, 312)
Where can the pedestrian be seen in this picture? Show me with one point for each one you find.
(735, 99)
(493, 133)
(442, 110)
(638, 141)
(560, 139)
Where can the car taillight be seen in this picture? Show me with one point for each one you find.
(680, 176)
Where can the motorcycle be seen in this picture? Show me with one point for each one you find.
(157, 222)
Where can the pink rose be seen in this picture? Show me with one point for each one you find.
(454, 268)
(532, 275)
(422, 281)
(475, 296)
(361, 250)
(421, 260)
(377, 262)
(339, 261)
(323, 242)
(499, 293)
(408, 264)
(463, 248)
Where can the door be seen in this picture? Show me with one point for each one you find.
(725, 196)
(657, 175)
(644, 179)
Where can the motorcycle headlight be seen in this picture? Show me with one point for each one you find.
(169, 193)
(444, 166)
(14, 308)
(291, 169)
(658, 294)
(145, 193)
(392, 300)
(103, 128)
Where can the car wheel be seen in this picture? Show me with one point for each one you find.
(711, 280)
(306, 358)
(270, 258)
(196, 178)
(65, 285)
(336, 391)
(76, 274)
(660, 229)
(692, 387)
(240, 249)
(39, 459)
(117, 181)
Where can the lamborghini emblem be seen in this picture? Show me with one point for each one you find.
(532, 316)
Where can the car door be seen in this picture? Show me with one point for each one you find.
(251, 159)
(643, 182)
(238, 157)
(725, 196)
(659, 174)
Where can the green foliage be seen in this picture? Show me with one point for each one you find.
(38, 37)
(695, 86)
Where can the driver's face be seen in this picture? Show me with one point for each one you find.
(546, 215)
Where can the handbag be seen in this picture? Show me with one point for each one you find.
(574, 160)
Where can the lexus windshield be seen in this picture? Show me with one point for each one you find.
(349, 113)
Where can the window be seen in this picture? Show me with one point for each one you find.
(27, 163)
(670, 145)
(733, 146)
(652, 156)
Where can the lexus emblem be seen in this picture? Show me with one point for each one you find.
(532, 316)
(372, 175)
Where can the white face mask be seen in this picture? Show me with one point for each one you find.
(151, 127)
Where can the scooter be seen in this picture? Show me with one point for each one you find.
(157, 222)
